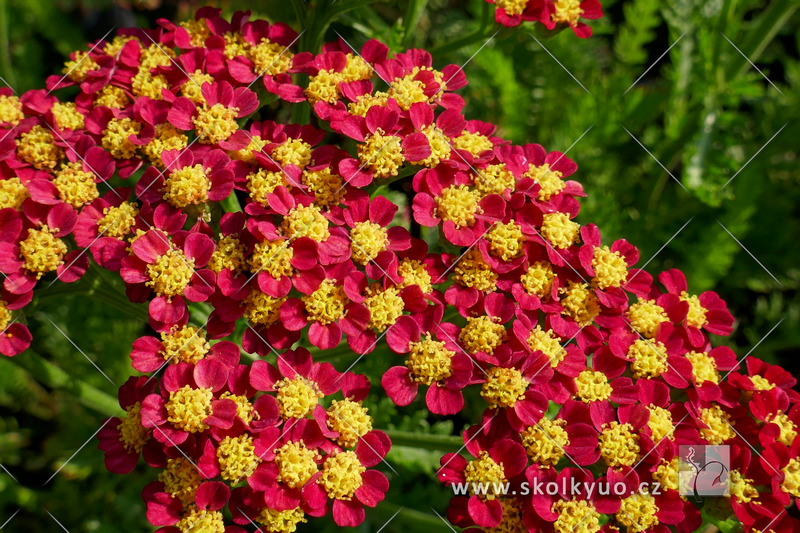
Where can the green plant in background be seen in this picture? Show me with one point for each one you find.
(685, 147)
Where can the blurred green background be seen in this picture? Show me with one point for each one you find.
(723, 158)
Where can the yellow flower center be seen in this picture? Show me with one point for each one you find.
(198, 31)
(474, 143)
(696, 317)
(368, 240)
(297, 397)
(228, 254)
(667, 474)
(741, 488)
(323, 87)
(270, 58)
(576, 516)
(38, 148)
(458, 204)
(293, 152)
(77, 68)
(592, 386)
(262, 309)
(281, 521)
(296, 464)
(548, 343)
(41, 251)
(216, 123)
(486, 471)
(171, 273)
(306, 221)
(187, 408)
(545, 443)
(326, 304)
(511, 522)
(256, 144)
(482, 334)
(272, 257)
(181, 479)
(440, 147)
(506, 240)
(198, 521)
(385, 306)
(472, 271)
(12, 193)
(645, 317)
(504, 387)
(244, 409)
(549, 180)
(11, 110)
(788, 429)
(791, 480)
(704, 368)
(5, 316)
(75, 186)
(132, 434)
(366, 101)
(495, 179)
(326, 186)
(649, 359)
(341, 475)
(414, 273)
(610, 269)
(235, 45)
(719, 425)
(263, 183)
(116, 44)
(559, 230)
(146, 84)
(660, 423)
(67, 116)
(118, 222)
(639, 512)
(619, 445)
(237, 457)
(193, 88)
(568, 11)
(580, 303)
(350, 419)
(185, 344)
(407, 91)
(115, 137)
(113, 97)
(761, 383)
(382, 154)
(538, 279)
(167, 137)
(429, 361)
(187, 186)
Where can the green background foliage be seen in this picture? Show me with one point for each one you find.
(716, 165)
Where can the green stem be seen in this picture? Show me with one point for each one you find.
(54, 377)
(478, 35)
(411, 20)
(425, 441)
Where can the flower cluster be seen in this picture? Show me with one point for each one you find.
(172, 167)
(551, 14)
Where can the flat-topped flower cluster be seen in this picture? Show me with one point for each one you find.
(173, 166)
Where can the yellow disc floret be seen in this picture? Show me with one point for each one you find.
(132, 434)
(486, 472)
(67, 116)
(549, 180)
(548, 343)
(184, 344)
(704, 367)
(385, 306)
(187, 186)
(473, 271)
(306, 221)
(293, 152)
(188, 408)
(75, 186)
(545, 442)
(42, 251)
(272, 257)
(495, 179)
(459, 204)
(281, 521)
(12, 193)
(297, 397)
(229, 254)
(429, 361)
(482, 334)
(181, 479)
(619, 445)
(350, 419)
(696, 316)
(538, 279)
(116, 137)
(720, 427)
(559, 230)
(504, 387)
(237, 457)
(118, 221)
(196, 520)
(382, 154)
(580, 303)
(414, 272)
(171, 273)
(610, 268)
(341, 475)
(216, 123)
(11, 110)
(645, 316)
(368, 239)
(506, 240)
(296, 464)
(638, 512)
(261, 309)
(326, 304)
(37, 147)
(576, 516)
(592, 386)
(649, 358)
